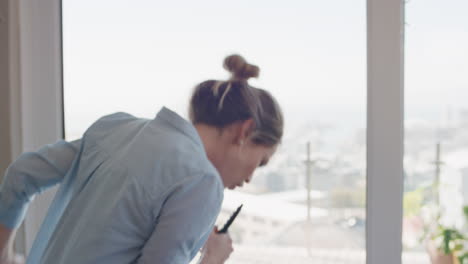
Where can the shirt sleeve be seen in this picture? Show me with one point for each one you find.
(32, 173)
(184, 222)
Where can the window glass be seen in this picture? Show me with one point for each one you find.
(436, 128)
(136, 56)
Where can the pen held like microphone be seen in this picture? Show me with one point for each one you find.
(230, 220)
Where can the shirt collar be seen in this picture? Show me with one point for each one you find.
(180, 124)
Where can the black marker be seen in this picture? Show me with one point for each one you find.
(230, 220)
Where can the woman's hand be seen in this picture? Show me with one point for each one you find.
(7, 255)
(13, 259)
(217, 249)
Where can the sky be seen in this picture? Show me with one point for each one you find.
(136, 56)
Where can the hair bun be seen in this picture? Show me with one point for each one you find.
(239, 68)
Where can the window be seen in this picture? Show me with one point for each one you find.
(436, 121)
(138, 56)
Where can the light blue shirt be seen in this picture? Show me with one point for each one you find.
(131, 191)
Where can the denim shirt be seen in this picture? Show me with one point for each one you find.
(131, 191)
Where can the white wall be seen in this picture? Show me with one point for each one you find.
(10, 128)
(32, 88)
(5, 135)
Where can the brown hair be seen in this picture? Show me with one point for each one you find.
(220, 103)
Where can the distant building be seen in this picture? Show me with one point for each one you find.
(263, 217)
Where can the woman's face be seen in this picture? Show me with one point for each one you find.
(241, 162)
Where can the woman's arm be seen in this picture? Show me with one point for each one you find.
(185, 222)
(30, 174)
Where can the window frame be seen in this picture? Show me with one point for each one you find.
(36, 88)
(385, 130)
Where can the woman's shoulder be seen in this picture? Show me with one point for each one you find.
(111, 123)
(112, 120)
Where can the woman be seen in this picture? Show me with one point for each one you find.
(146, 191)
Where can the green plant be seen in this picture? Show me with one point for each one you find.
(450, 240)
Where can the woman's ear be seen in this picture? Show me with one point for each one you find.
(245, 131)
(240, 131)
